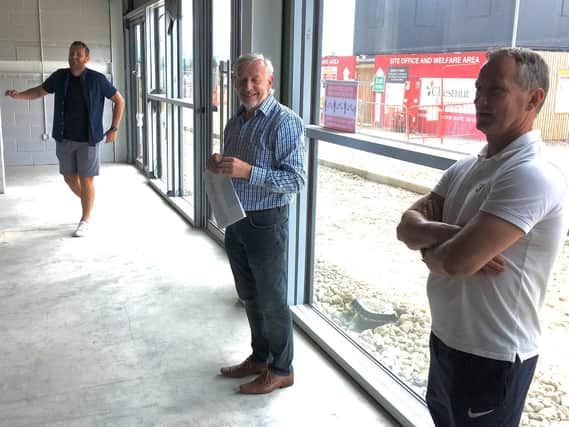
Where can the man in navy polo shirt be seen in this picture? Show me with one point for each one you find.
(78, 123)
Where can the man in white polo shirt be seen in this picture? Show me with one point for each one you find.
(490, 232)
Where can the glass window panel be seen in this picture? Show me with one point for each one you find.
(187, 94)
(188, 153)
(172, 56)
(154, 123)
(414, 79)
(163, 143)
(162, 49)
(221, 81)
(139, 94)
(365, 280)
(187, 51)
(174, 138)
(543, 27)
(151, 48)
(221, 76)
(415, 82)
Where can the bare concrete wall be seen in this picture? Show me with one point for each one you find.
(27, 26)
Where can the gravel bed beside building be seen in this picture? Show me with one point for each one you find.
(361, 267)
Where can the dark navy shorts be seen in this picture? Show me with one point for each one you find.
(77, 158)
(469, 390)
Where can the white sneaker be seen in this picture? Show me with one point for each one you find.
(82, 229)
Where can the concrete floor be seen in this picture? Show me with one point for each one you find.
(129, 325)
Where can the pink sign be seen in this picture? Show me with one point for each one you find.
(341, 105)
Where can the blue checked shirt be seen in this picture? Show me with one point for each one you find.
(272, 141)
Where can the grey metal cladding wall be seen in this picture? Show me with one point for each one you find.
(394, 26)
(544, 24)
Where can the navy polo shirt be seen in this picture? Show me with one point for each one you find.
(95, 88)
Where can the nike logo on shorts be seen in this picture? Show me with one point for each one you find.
(478, 414)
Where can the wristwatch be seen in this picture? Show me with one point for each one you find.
(112, 129)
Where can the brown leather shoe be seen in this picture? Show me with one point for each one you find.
(266, 383)
(248, 367)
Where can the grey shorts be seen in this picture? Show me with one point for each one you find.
(77, 158)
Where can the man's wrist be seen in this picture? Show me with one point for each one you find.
(113, 129)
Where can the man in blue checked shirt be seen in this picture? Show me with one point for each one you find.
(264, 155)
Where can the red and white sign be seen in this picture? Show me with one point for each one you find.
(430, 88)
(341, 105)
(338, 68)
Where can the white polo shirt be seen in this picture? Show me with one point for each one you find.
(496, 316)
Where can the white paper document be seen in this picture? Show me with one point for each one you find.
(224, 202)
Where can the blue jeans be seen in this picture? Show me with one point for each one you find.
(256, 247)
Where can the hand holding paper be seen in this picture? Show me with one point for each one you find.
(224, 202)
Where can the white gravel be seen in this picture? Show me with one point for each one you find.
(359, 257)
